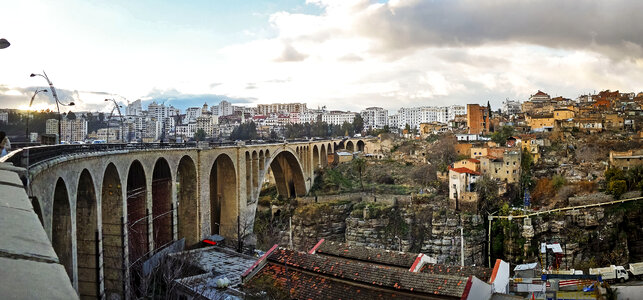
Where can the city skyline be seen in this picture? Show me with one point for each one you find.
(346, 55)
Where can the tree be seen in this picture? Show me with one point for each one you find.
(347, 129)
(503, 134)
(245, 131)
(71, 115)
(487, 190)
(101, 117)
(526, 163)
(489, 109)
(360, 165)
(358, 123)
(200, 135)
(617, 188)
(424, 175)
(407, 127)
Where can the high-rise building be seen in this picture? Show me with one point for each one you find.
(135, 108)
(478, 119)
(51, 126)
(223, 109)
(374, 117)
(157, 111)
(4, 117)
(73, 130)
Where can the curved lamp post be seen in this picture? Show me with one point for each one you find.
(118, 108)
(29, 110)
(58, 103)
(4, 43)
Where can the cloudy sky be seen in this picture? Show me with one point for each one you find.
(345, 54)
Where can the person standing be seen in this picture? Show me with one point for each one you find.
(5, 144)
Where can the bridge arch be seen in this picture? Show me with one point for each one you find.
(61, 232)
(288, 172)
(87, 237)
(112, 224)
(161, 204)
(223, 196)
(188, 204)
(137, 214)
(350, 147)
(361, 146)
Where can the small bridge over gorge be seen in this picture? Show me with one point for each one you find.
(108, 207)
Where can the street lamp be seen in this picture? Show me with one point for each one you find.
(58, 103)
(29, 110)
(4, 43)
(118, 108)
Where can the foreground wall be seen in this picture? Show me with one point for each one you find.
(29, 267)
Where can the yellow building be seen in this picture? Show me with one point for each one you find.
(477, 152)
(541, 123)
(469, 163)
(563, 114)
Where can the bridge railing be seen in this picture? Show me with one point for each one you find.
(29, 156)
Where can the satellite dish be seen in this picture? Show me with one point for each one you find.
(4, 43)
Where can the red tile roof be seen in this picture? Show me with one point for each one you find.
(303, 285)
(473, 160)
(482, 273)
(465, 170)
(361, 276)
(371, 255)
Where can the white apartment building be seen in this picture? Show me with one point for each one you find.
(308, 117)
(73, 130)
(135, 108)
(456, 110)
(192, 113)
(393, 121)
(4, 117)
(223, 109)
(338, 117)
(414, 116)
(374, 117)
(510, 107)
(157, 111)
(186, 131)
(51, 126)
(109, 134)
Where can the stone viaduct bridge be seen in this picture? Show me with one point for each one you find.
(106, 208)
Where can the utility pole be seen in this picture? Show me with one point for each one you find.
(462, 246)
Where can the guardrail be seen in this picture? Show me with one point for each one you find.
(31, 155)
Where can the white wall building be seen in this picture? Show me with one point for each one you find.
(192, 113)
(510, 107)
(374, 117)
(223, 109)
(135, 108)
(338, 117)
